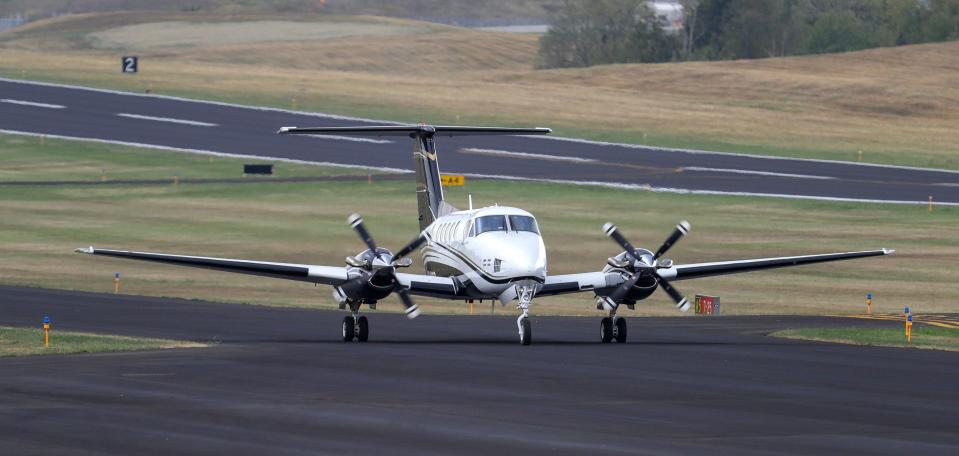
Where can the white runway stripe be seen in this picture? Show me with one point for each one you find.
(167, 119)
(32, 103)
(757, 173)
(526, 155)
(351, 138)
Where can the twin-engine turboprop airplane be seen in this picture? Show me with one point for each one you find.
(489, 253)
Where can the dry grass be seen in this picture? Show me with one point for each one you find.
(897, 105)
(156, 35)
(305, 223)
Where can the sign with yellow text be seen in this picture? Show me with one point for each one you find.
(451, 180)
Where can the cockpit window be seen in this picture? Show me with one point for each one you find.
(523, 223)
(490, 223)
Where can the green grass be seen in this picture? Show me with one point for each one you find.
(29, 341)
(306, 223)
(44, 159)
(922, 336)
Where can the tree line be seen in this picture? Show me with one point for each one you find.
(595, 32)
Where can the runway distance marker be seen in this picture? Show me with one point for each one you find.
(129, 64)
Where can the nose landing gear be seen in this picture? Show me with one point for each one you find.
(525, 295)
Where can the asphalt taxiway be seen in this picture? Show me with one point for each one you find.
(278, 381)
(166, 122)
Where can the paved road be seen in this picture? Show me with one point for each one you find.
(278, 382)
(168, 122)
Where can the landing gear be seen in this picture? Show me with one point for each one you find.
(613, 327)
(355, 327)
(348, 329)
(525, 295)
(619, 329)
(606, 330)
(525, 331)
(363, 329)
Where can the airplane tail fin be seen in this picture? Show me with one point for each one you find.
(429, 187)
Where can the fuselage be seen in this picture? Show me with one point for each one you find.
(489, 249)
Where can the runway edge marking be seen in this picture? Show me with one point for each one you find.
(552, 138)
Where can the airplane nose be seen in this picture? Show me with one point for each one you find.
(528, 259)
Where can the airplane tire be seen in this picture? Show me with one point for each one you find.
(621, 330)
(348, 331)
(606, 330)
(527, 337)
(364, 333)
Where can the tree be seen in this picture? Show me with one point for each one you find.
(585, 33)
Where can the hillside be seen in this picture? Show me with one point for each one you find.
(897, 105)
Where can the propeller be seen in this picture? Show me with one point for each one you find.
(356, 222)
(620, 293)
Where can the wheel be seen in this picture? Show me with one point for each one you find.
(348, 331)
(364, 332)
(526, 337)
(606, 330)
(621, 330)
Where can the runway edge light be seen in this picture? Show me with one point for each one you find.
(46, 331)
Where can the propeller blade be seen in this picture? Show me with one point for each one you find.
(681, 302)
(413, 245)
(356, 222)
(412, 311)
(614, 233)
(681, 230)
(621, 291)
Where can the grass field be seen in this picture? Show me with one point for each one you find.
(29, 341)
(922, 336)
(26, 158)
(897, 105)
(306, 223)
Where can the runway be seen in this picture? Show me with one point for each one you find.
(277, 381)
(206, 127)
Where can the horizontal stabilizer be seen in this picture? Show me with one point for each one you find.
(412, 130)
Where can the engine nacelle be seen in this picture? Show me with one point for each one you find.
(621, 264)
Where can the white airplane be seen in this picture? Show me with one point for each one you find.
(492, 253)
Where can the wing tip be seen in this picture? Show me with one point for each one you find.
(284, 130)
(88, 250)
(886, 251)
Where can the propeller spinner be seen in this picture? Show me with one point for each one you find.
(638, 266)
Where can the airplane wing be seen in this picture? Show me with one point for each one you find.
(418, 284)
(589, 281)
(302, 272)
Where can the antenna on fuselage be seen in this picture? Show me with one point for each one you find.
(470, 196)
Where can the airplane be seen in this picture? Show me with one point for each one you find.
(490, 253)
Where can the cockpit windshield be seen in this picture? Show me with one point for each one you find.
(489, 223)
(523, 223)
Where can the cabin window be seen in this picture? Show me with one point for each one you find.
(523, 223)
(490, 223)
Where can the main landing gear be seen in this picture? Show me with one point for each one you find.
(356, 327)
(613, 328)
